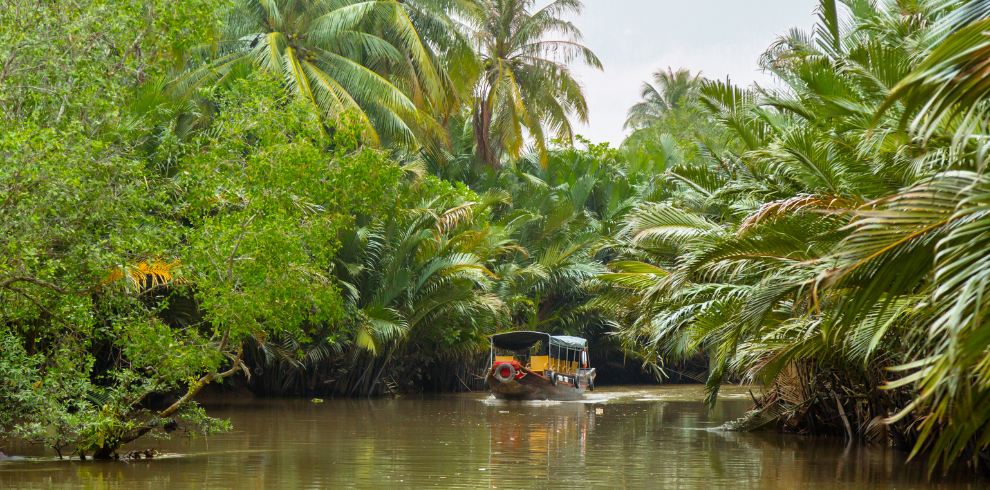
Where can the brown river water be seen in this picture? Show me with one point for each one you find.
(630, 437)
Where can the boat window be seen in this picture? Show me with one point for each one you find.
(522, 358)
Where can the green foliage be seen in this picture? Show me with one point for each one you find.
(822, 250)
(75, 64)
(262, 195)
(266, 195)
(182, 182)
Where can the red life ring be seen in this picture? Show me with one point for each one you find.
(504, 372)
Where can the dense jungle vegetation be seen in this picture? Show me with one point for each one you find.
(347, 197)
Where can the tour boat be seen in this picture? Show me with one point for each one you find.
(539, 366)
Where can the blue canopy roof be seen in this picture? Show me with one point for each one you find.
(569, 342)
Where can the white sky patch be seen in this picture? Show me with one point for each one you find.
(634, 38)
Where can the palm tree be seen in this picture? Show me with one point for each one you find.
(669, 91)
(359, 56)
(925, 249)
(526, 81)
(445, 35)
(669, 124)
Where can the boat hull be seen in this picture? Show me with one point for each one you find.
(533, 386)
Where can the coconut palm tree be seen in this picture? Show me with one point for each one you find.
(358, 56)
(670, 90)
(526, 81)
(446, 36)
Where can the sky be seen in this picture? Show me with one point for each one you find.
(634, 38)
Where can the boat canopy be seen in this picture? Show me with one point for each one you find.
(569, 342)
(516, 341)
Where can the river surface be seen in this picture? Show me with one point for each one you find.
(642, 437)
